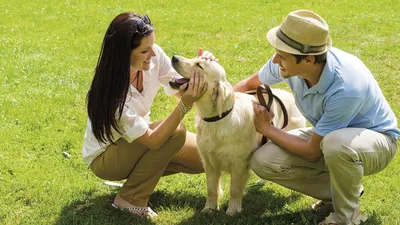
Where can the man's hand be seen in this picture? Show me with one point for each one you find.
(262, 118)
(200, 52)
(206, 55)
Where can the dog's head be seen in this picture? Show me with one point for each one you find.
(184, 66)
(214, 75)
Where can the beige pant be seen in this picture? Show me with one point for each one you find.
(348, 155)
(142, 168)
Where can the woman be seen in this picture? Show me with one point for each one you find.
(120, 142)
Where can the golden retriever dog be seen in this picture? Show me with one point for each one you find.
(226, 135)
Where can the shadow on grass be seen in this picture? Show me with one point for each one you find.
(260, 206)
(265, 207)
(256, 204)
(97, 210)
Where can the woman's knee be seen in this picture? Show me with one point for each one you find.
(177, 139)
(180, 133)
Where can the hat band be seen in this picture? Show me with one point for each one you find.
(299, 46)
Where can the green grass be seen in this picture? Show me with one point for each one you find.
(48, 51)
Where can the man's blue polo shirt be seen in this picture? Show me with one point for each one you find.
(347, 95)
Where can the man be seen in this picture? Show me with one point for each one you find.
(354, 129)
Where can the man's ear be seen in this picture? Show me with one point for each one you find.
(310, 59)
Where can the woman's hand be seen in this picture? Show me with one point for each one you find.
(262, 117)
(197, 87)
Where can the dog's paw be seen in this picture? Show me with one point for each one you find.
(209, 210)
(232, 211)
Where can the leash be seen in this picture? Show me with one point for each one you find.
(262, 89)
(265, 89)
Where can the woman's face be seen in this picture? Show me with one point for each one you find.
(140, 56)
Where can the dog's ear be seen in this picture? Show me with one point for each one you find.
(218, 96)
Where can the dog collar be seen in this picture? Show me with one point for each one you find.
(216, 118)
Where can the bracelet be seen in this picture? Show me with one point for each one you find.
(183, 108)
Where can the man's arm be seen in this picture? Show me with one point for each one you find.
(306, 149)
(250, 83)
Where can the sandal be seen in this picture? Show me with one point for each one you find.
(329, 220)
(136, 210)
(320, 204)
(355, 219)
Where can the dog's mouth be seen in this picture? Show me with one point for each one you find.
(175, 83)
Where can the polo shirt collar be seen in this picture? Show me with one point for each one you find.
(327, 76)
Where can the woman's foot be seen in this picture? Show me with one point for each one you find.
(120, 203)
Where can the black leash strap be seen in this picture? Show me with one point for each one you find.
(265, 89)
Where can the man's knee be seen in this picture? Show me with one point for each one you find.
(334, 147)
(262, 162)
(256, 163)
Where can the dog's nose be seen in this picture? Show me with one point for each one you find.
(174, 59)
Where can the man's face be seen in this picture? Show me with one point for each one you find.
(287, 64)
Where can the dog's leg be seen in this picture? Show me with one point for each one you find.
(239, 176)
(213, 189)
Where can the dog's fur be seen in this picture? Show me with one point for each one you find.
(227, 144)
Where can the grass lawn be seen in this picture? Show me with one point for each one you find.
(48, 51)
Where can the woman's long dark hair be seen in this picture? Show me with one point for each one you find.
(111, 81)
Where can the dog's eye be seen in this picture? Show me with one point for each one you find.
(198, 65)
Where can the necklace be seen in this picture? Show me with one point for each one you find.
(137, 79)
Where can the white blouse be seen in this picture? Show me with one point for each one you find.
(136, 112)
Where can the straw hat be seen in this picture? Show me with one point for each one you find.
(303, 32)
